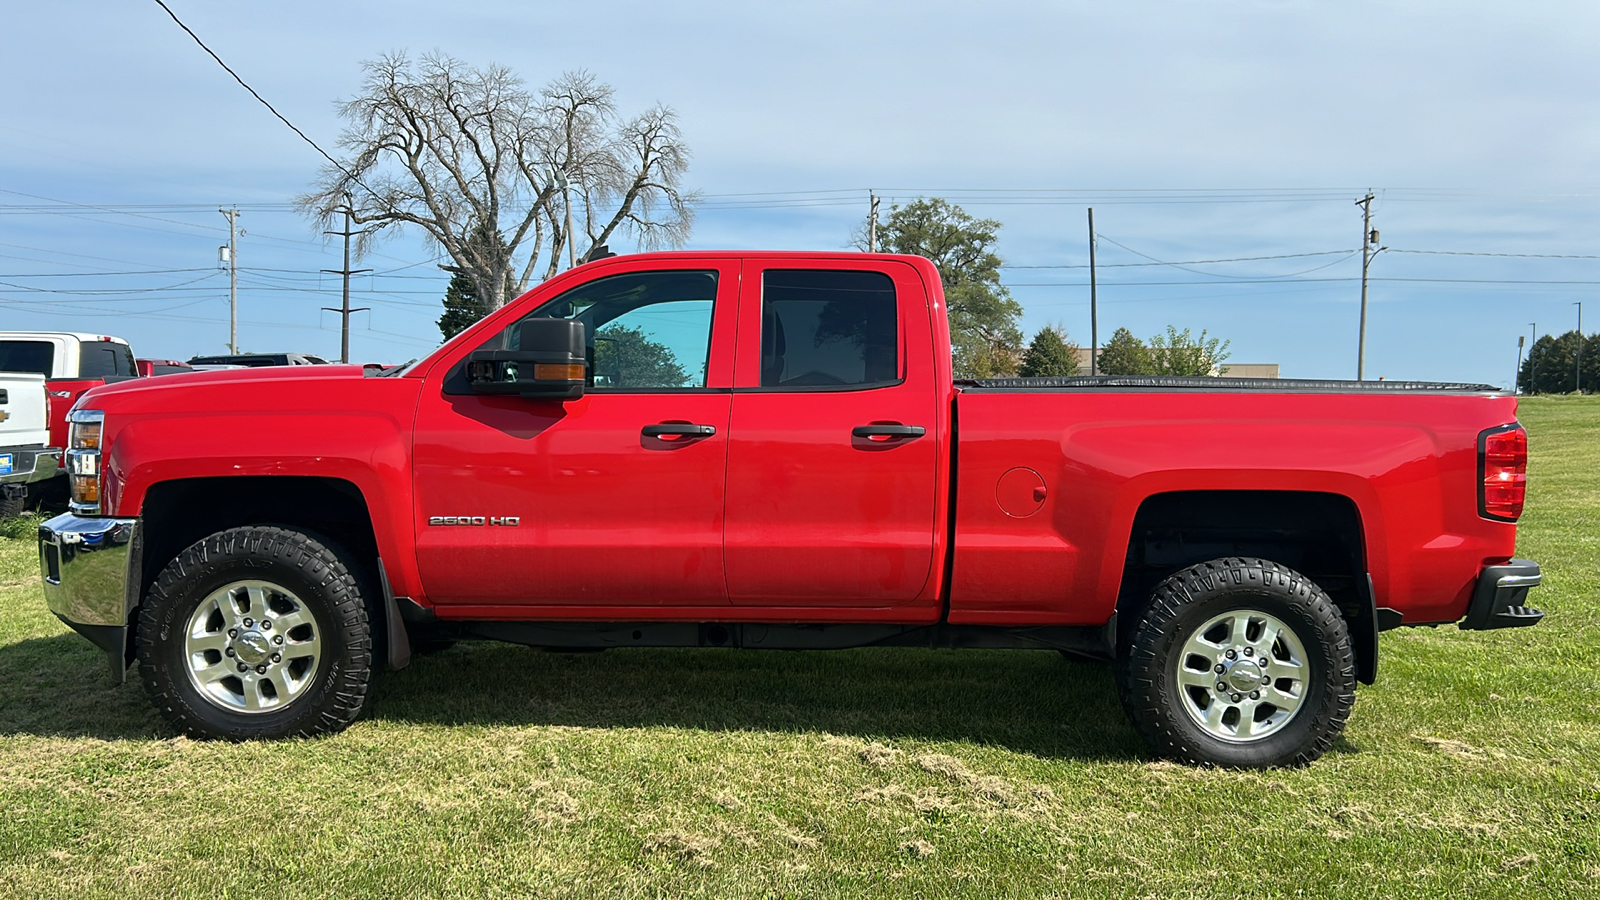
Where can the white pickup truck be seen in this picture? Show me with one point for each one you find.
(25, 455)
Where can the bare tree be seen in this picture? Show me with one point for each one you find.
(452, 149)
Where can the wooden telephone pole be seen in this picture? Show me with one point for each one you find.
(344, 310)
(1094, 306)
(1369, 241)
(233, 278)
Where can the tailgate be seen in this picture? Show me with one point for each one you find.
(23, 410)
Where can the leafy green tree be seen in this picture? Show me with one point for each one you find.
(1050, 353)
(1550, 366)
(1180, 353)
(983, 317)
(625, 357)
(1125, 354)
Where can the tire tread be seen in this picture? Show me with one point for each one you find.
(346, 692)
(1141, 677)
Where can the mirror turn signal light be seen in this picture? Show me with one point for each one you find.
(558, 372)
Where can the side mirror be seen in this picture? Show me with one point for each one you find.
(550, 364)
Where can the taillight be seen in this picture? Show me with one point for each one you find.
(1502, 472)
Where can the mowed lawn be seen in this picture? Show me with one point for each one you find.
(1471, 769)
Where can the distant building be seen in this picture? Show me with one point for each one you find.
(1230, 370)
(1250, 370)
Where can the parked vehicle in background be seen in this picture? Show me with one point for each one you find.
(26, 459)
(768, 450)
(149, 367)
(256, 360)
(71, 362)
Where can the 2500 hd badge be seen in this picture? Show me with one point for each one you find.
(475, 520)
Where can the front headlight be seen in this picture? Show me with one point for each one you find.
(83, 459)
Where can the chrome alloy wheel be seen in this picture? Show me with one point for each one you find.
(251, 647)
(1242, 675)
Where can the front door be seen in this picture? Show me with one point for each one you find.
(832, 466)
(609, 501)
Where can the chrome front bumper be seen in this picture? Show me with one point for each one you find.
(29, 464)
(91, 579)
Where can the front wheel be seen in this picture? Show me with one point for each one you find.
(1239, 662)
(256, 632)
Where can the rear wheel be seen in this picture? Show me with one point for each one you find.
(1239, 662)
(256, 632)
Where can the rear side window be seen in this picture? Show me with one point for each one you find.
(828, 329)
(26, 356)
(97, 359)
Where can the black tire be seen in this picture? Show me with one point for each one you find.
(301, 583)
(1175, 718)
(13, 501)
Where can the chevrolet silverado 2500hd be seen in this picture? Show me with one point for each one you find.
(768, 450)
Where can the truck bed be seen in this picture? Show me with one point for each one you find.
(1221, 385)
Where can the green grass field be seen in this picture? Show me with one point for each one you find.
(1471, 769)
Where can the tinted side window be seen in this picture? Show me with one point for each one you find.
(26, 356)
(826, 329)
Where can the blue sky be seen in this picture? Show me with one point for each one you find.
(1197, 131)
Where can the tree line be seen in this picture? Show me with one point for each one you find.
(1561, 365)
(512, 184)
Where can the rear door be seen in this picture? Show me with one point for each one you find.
(832, 464)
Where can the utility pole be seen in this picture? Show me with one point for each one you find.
(1517, 377)
(1094, 308)
(872, 224)
(233, 279)
(1369, 239)
(1577, 364)
(344, 311)
(1533, 362)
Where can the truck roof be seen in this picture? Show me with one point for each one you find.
(77, 335)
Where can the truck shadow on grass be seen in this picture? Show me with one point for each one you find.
(1031, 702)
(60, 686)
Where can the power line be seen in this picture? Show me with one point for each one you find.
(253, 93)
(24, 287)
(1186, 262)
(1510, 255)
(1185, 267)
(105, 209)
(100, 274)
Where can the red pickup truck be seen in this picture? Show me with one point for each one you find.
(767, 450)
